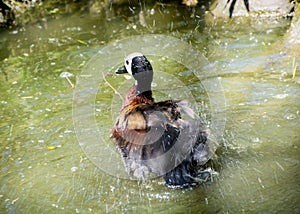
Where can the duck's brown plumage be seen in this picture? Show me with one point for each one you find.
(147, 133)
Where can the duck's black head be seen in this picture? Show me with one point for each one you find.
(140, 68)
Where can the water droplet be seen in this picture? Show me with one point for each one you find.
(280, 96)
(152, 11)
(74, 169)
(256, 140)
(290, 116)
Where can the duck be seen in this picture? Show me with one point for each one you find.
(164, 139)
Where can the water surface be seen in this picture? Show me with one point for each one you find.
(44, 169)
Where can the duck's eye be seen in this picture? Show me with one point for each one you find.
(127, 62)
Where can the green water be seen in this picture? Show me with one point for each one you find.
(43, 167)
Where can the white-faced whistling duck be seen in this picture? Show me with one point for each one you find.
(158, 138)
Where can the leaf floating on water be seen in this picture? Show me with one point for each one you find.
(27, 97)
(51, 147)
(54, 11)
(82, 42)
(190, 3)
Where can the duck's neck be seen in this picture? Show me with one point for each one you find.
(142, 86)
(143, 82)
(143, 89)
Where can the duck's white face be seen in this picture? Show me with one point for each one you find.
(128, 61)
(140, 68)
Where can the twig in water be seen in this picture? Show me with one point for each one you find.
(295, 68)
(67, 75)
(116, 92)
(69, 81)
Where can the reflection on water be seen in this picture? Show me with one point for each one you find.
(43, 168)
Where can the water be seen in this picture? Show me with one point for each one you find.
(43, 167)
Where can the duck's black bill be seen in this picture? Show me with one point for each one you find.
(121, 70)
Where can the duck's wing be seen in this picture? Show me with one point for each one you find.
(157, 137)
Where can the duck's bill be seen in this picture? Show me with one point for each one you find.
(121, 70)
